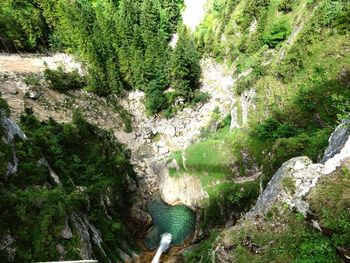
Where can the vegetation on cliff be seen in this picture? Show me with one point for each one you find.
(92, 171)
(293, 56)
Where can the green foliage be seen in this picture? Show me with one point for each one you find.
(289, 184)
(271, 128)
(123, 44)
(185, 68)
(155, 98)
(330, 202)
(62, 81)
(202, 252)
(286, 6)
(253, 9)
(200, 97)
(229, 200)
(90, 165)
(281, 237)
(4, 106)
(278, 32)
(32, 80)
(22, 26)
(335, 14)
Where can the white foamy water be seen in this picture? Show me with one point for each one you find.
(164, 245)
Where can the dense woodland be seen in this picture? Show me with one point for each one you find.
(124, 44)
(91, 166)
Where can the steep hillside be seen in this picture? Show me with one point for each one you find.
(302, 215)
(65, 185)
(287, 97)
(290, 62)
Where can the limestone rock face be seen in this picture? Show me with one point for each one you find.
(186, 189)
(11, 130)
(337, 141)
(296, 177)
(302, 175)
(290, 185)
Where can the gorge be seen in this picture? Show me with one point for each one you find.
(207, 121)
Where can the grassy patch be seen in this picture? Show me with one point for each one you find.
(289, 184)
(330, 201)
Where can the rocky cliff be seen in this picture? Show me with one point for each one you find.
(54, 224)
(292, 197)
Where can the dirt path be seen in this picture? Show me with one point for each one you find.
(35, 63)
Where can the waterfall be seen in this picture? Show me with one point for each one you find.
(164, 245)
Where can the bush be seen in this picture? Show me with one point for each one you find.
(82, 155)
(286, 6)
(273, 129)
(64, 81)
(329, 200)
(200, 97)
(202, 252)
(4, 106)
(227, 199)
(32, 80)
(279, 32)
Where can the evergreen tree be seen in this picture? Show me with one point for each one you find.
(150, 19)
(185, 68)
(170, 15)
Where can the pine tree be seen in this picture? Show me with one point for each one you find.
(185, 68)
(150, 19)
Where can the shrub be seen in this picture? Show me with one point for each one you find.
(64, 81)
(200, 97)
(279, 31)
(286, 6)
(330, 200)
(227, 199)
(4, 106)
(271, 128)
(32, 80)
(202, 252)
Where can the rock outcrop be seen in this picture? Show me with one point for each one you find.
(291, 185)
(11, 130)
(296, 177)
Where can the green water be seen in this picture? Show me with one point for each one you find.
(177, 220)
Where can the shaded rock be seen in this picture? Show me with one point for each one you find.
(6, 243)
(228, 243)
(174, 165)
(337, 141)
(302, 175)
(222, 255)
(344, 77)
(344, 252)
(139, 218)
(125, 257)
(66, 232)
(34, 95)
(61, 251)
(53, 175)
(252, 247)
